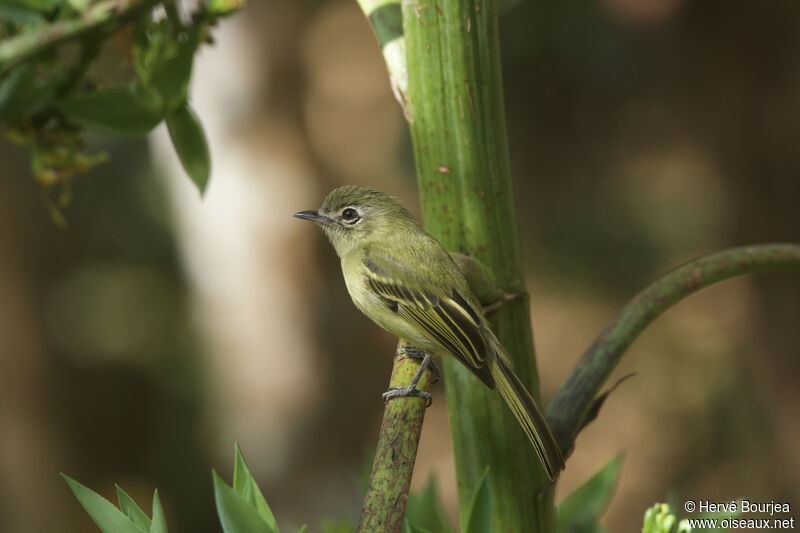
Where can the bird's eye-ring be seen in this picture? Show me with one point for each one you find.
(350, 215)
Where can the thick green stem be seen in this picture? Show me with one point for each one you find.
(107, 16)
(458, 130)
(574, 399)
(387, 493)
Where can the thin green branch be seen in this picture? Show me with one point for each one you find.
(574, 399)
(106, 16)
(387, 493)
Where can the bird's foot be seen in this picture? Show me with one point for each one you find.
(412, 352)
(494, 306)
(403, 392)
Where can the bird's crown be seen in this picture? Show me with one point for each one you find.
(355, 196)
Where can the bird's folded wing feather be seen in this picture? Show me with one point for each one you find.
(440, 313)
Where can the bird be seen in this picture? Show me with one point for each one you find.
(404, 280)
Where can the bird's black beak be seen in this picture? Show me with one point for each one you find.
(315, 217)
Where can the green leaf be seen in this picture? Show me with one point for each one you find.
(113, 110)
(220, 8)
(581, 510)
(170, 78)
(190, 145)
(42, 6)
(236, 514)
(303, 529)
(131, 510)
(424, 509)
(20, 15)
(244, 484)
(146, 38)
(159, 524)
(480, 514)
(107, 517)
(79, 5)
(20, 94)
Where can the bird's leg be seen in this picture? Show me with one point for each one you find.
(411, 390)
(494, 306)
(412, 352)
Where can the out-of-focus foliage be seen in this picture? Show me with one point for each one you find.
(580, 511)
(241, 508)
(50, 94)
(424, 510)
(129, 518)
(480, 514)
(662, 518)
(659, 519)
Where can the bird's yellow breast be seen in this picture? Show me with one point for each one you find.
(379, 310)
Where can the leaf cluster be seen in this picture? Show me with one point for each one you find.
(51, 91)
(241, 508)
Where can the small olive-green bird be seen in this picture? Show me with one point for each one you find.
(407, 283)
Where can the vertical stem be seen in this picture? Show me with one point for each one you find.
(458, 129)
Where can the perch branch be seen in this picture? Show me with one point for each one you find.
(387, 493)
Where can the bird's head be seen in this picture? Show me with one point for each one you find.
(351, 216)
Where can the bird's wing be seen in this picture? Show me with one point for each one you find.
(442, 314)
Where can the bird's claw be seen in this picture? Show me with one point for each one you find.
(404, 392)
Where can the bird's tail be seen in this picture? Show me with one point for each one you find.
(530, 418)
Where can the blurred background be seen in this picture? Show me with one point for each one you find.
(139, 343)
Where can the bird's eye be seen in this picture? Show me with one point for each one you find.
(350, 215)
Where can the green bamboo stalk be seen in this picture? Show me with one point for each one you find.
(574, 398)
(458, 129)
(106, 16)
(387, 492)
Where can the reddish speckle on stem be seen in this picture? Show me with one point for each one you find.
(445, 208)
(469, 97)
(696, 278)
(438, 189)
(480, 248)
(479, 192)
(425, 149)
(443, 169)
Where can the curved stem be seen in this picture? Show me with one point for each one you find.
(387, 493)
(574, 398)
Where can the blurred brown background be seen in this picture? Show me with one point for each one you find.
(140, 343)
